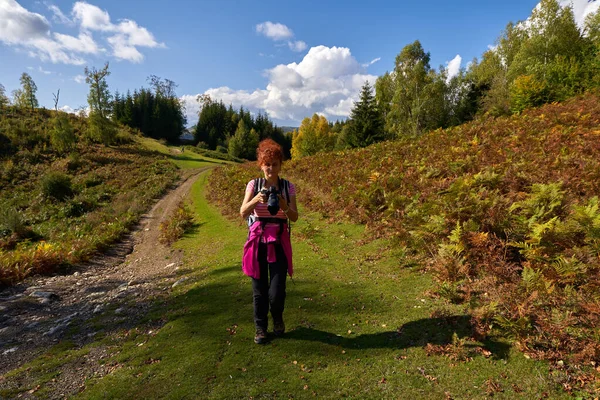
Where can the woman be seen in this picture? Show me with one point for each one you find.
(268, 252)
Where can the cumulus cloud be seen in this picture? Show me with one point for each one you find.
(31, 31)
(453, 67)
(327, 81)
(275, 31)
(79, 78)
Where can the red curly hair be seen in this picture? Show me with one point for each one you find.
(268, 151)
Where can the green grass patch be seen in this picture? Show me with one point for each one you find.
(184, 160)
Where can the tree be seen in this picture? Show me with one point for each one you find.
(313, 136)
(409, 104)
(384, 94)
(100, 127)
(243, 144)
(4, 100)
(99, 97)
(25, 96)
(366, 126)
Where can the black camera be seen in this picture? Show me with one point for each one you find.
(273, 201)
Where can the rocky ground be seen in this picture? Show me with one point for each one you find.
(107, 295)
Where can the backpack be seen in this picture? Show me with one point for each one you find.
(259, 183)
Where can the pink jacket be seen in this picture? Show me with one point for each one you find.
(250, 264)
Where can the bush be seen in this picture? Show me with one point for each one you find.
(62, 136)
(57, 186)
(11, 222)
(101, 129)
(180, 221)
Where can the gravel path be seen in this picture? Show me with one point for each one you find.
(111, 293)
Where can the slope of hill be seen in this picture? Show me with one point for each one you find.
(504, 212)
(58, 209)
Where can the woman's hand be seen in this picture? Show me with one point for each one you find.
(260, 198)
(283, 203)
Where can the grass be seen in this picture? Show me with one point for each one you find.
(358, 326)
(186, 160)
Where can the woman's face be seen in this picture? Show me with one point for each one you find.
(271, 169)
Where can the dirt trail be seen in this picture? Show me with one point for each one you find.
(110, 293)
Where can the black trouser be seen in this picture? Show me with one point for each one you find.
(269, 290)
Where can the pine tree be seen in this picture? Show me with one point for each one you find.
(366, 121)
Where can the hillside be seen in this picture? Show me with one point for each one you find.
(59, 208)
(504, 213)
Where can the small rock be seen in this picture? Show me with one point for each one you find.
(2, 308)
(119, 310)
(179, 282)
(11, 350)
(123, 287)
(45, 296)
(170, 265)
(98, 309)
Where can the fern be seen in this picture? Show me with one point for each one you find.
(569, 271)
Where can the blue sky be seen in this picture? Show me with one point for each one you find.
(290, 59)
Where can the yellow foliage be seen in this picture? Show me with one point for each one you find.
(313, 136)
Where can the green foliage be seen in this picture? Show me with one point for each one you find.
(526, 92)
(313, 136)
(101, 129)
(158, 114)
(62, 135)
(56, 185)
(11, 221)
(366, 125)
(217, 123)
(244, 143)
(4, 100)
(25, 97)
(99, 97)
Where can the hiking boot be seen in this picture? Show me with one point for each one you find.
(278, 328)
(261, 336)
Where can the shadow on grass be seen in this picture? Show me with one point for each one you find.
(419, 333)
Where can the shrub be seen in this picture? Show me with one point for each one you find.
(62, 136)
(101, 130)
(11, 222)
(173, 229)
(56, 185)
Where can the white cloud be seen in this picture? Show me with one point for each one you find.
(79, 78)
(275, 31)
(453, 67)
(91, 17)
(67, 109)
(31, 31)
(17, 24)
(327, 81)
(581, 8)
(297, 46)
(280, 32)
(43, 71)
(84, 43)
(58, 15)
(372, 62)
